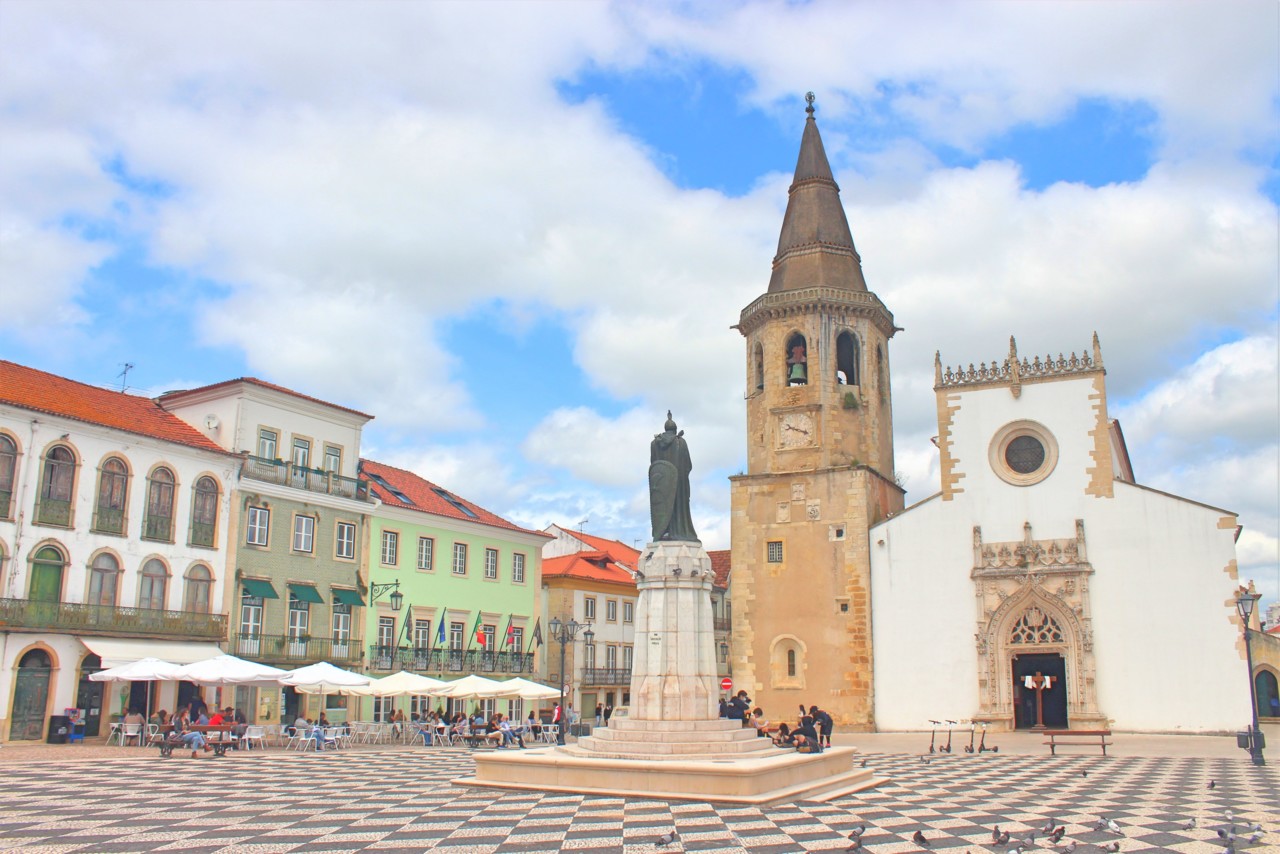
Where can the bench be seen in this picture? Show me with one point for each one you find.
(219, 738)
(1082, 737)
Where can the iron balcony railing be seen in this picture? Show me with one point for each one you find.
(202, 534)
(159, 528)
(109, 520)
(301, 477)
(606, 676)
(722, 624)
(423, 660)
(109, 620)
(6, 495)
(52, 511)
(296, 649)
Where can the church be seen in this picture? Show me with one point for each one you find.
(1017, 594)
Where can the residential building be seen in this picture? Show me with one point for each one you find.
(300, 531)
(722, 610)
(591, 580)
(470, 582)
(114, 525)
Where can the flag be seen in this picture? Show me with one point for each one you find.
(476, 633)
(444, 612)
(511, 632)
(408, 620)
(537, 635)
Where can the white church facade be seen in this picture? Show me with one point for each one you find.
(1041, 556)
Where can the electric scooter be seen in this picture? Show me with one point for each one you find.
(968, 748)
(982, 745)
(933, 734)
(947, 749)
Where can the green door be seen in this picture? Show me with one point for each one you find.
(46, 576)
(30, 697)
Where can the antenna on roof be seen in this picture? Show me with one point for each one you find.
(582, 524)
(124, 375)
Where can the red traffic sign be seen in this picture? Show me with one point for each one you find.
(726, 684)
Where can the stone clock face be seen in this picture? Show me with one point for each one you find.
(795, 430)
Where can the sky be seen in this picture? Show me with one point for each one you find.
(518, 233)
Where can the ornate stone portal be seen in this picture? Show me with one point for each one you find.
(671, 743)
(1032, 596)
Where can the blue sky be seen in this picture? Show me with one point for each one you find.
(518, 233)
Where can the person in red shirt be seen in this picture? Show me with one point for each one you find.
(217, 719)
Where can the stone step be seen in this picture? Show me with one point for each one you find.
(714, 737)
(687, 749)
(713, 725)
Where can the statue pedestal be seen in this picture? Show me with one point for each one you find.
(672, 744)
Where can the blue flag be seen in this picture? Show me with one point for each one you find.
(440, 632)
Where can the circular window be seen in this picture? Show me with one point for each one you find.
(1023, 453)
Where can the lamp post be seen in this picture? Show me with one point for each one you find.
(566, 633)
(397, 598)
(1244, 605)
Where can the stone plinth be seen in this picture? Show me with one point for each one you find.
(665, 740)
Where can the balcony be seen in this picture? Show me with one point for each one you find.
(300, 477)
(6, 496)
(108, 520)
(606, 676)
(295, 651)
(158, 528)
(109, 620)
(722, 624)
(202, 534)
(445, 661)
(52, 511)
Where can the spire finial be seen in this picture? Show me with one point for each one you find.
(809, 98)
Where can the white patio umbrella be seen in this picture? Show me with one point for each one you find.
(523, 689)
(398, 685)
(143, 670)
(468, 686)
(229, 670)
(323, 678)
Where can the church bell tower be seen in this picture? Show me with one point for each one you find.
(819, 462)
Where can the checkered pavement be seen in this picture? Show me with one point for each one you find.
(400, 800)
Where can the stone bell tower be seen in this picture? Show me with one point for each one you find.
(819, 462)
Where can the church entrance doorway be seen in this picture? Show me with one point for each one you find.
(1054, 701)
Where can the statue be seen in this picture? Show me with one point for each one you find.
(669, 467)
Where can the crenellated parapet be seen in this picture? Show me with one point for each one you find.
(1012, 371)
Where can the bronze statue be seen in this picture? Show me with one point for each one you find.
(669, 467)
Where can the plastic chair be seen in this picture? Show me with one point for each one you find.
(254, 735)
(131, 732)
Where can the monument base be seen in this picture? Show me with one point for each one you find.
(780, 776)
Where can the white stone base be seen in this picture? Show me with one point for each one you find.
(664, 740)
(780, 777)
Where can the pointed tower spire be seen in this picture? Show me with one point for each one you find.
(815, 247)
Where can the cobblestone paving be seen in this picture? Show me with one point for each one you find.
(400, 800)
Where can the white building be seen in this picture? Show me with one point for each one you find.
(113, 535)
(1042, 555)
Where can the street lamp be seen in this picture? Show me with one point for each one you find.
(1244, 604)
(566, 633)
(397, 598)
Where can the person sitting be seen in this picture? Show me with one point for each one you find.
(318, 732)
(760, 722)
(805, 737)
(182, 732)
(160, 718)
(239, 723)
(217, 719)
(783, 738)
(397, 723)
(508, 734)
(533, 725)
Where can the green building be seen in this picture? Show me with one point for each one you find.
(468, 584)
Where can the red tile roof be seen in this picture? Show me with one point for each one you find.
(172, 395)
(619, 551)
(720, 566)
(592, 566)
(38, 391)
(425, 497)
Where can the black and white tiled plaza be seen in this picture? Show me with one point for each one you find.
(401, 800)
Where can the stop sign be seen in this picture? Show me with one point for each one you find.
(726, 684)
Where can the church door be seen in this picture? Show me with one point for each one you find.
(1055, 698)
(31, 696)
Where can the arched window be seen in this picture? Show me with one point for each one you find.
(757, 366)
(158, 524)
(104, 580)
(847, 360)
(196, 597)
(47, 567)
(204, 512)
(155, 578)
(113, 492)
(8, 465)
(1035, 626)
(56, 485)
(797, 360)
(1268, 694)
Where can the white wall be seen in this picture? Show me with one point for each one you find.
(1165, 641)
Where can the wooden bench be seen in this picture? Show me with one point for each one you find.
(1082, 737)
(219, 739)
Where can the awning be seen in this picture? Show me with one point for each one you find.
(115, 651)
(258, 587)
(345, 596)
(306, 593)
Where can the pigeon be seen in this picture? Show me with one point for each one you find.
(1113, 847)
(1017, 849)
(1255, 838)
(1231, 817)
(858, 831)
(1084, 773)
(855, 846)
(1212, 785)
(1049, 826)
(1069, 847)
(864, 763)
(1029, 840)
(918, 839)
(667, 839)
(677, 572)
(924, 759)
(1101, 823)
(1058, 832)
(995, 835)
(1004, 838)
(1257, 827)
(1113, 826)
(639, 575)
(1191, 824)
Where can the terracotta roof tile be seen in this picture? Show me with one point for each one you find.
(424, 496)
(39, 391)
(265, 384)
(592, 566)
(619, 551)
(720, 565)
